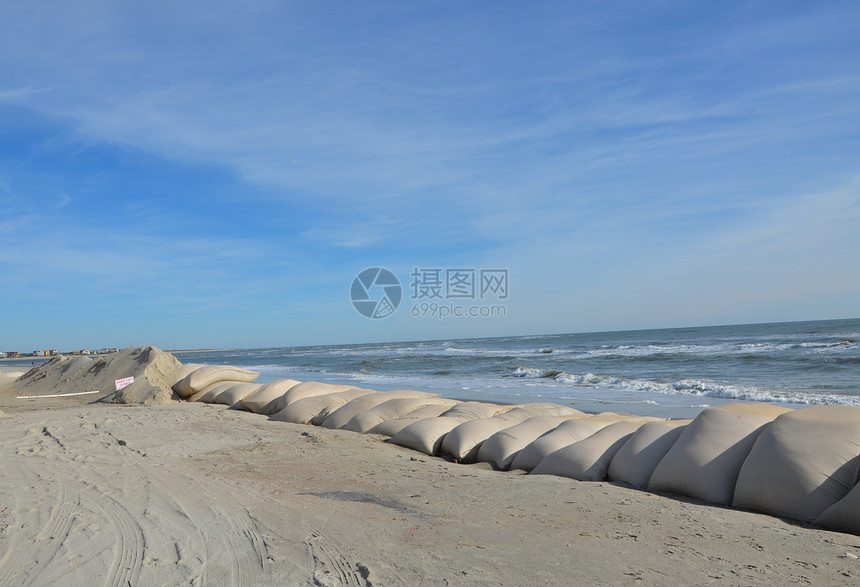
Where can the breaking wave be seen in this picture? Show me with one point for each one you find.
(687, 387)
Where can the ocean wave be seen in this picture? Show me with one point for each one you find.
(762, 349)
(690, 387)
(786, 346)
(495, 353)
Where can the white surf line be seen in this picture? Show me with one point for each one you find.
(55, 395)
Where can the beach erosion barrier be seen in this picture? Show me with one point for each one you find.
(799, 464)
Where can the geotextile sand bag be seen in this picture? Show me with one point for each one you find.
(425, 435)
(475, 410)
(203, 377)
(207, 394)
(641, 454)
(464, 441)
(341, 399)
(341, 416)
(543, 409)
(307, 389)
(588, 459)
(564, 434)
(392, 427)
(844, 515)
(804, 462)
(264, 400)
(185, 370)
(235, 393)
(307, 410)
(705, 460)
(500, 449)
(389, 410)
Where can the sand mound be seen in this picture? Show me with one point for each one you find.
(154, 373)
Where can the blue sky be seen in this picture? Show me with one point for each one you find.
(695, 164)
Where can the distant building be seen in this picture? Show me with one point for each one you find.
(86, 352)
(2, 355)
(13, 354)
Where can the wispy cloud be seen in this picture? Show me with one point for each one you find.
(138, 170)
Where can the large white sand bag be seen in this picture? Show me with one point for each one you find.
(545, 409)
(588, 459)
(264, 400)
(207, 394)
(308, 389)
(462, 443)
(392, 427)
(844, 515)
(307, 410)
(185, 370)
(235, 393)
(705, 460)
(426, 435)
(203, 377)
(566, 433)
(641, 454)
(500, 449)
(389, 410)
(475, 410)
(802, 463)
(341, 416)
(341, 399)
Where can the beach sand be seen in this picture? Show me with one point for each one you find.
(188, 493)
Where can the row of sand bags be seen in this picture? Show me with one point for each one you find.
(799, 464)
(233, 386)
(429, 436)
(729, 455)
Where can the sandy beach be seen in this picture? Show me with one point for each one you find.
(190, 493)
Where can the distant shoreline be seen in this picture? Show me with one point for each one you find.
(9, 359)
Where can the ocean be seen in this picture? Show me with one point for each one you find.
(675, 372)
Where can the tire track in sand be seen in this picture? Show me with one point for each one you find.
(331, 567)
(225, 531)
(22, 564)
(128, 547)
(252, 562)
(239, 543)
